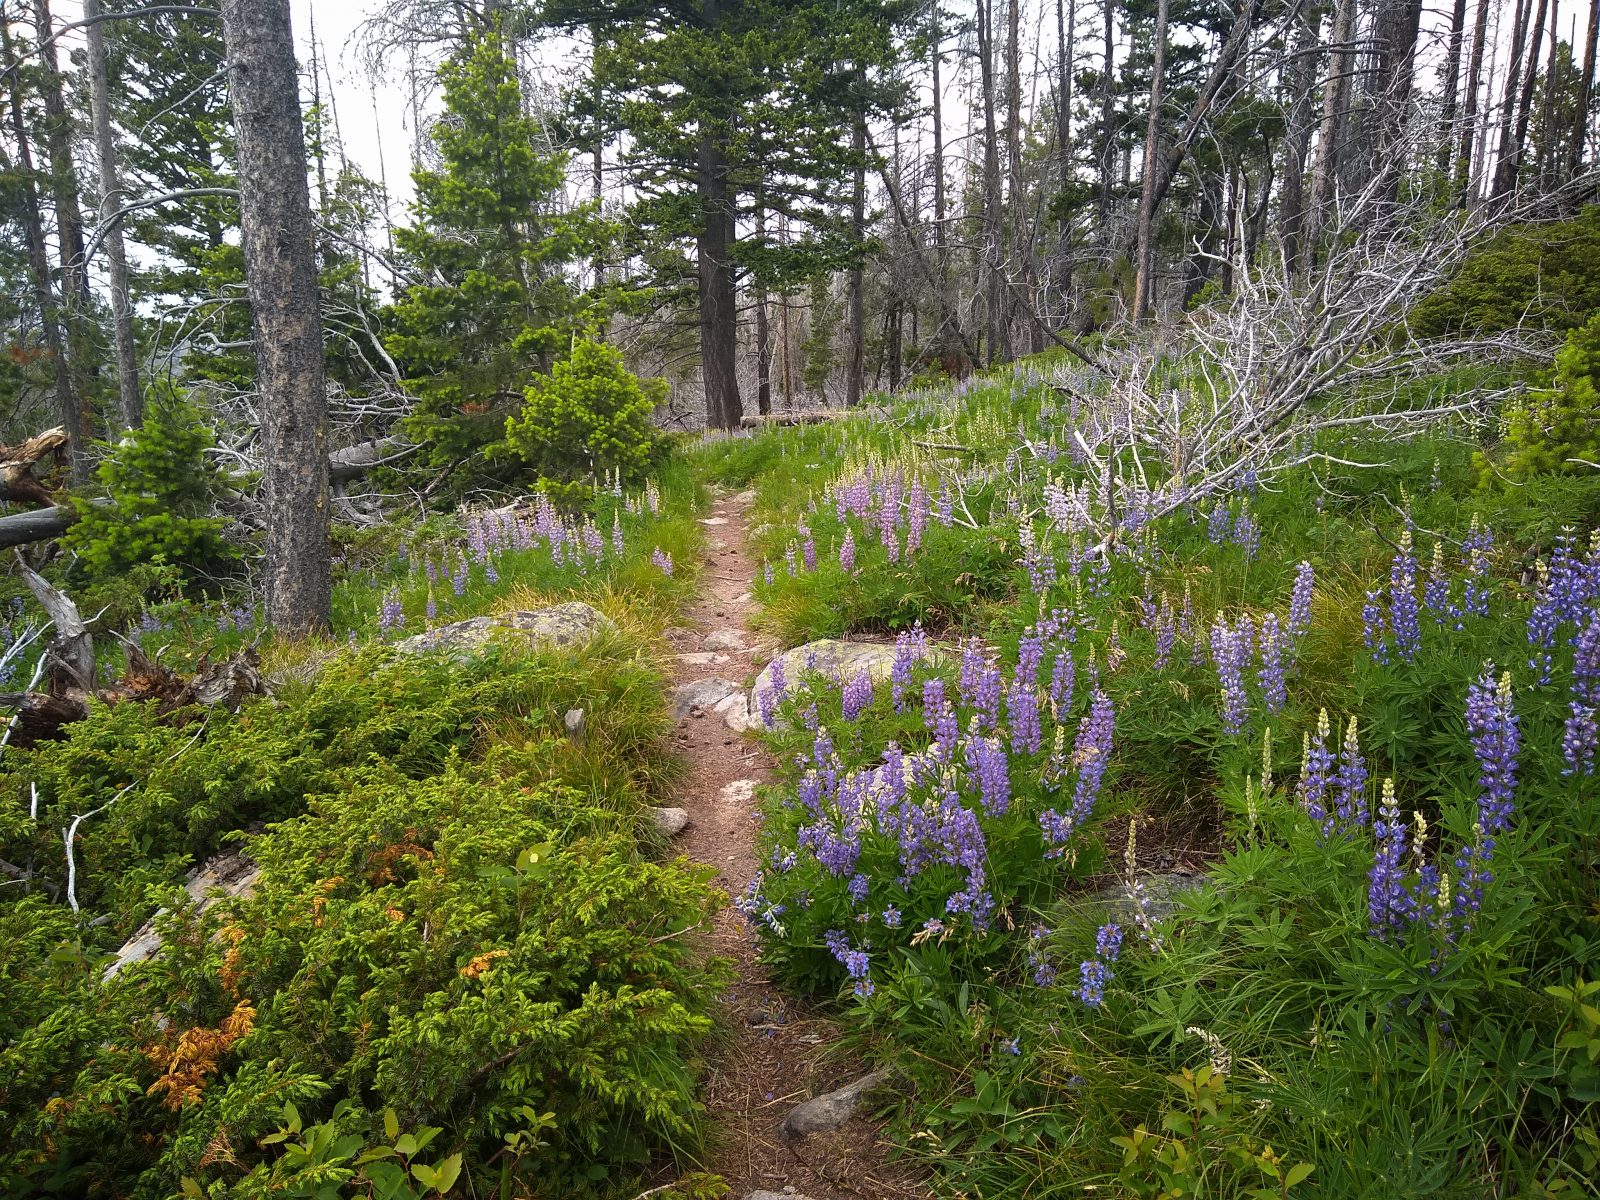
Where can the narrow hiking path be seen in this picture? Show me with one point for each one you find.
(770, 1057)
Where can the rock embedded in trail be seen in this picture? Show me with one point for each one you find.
(669, 822)
(832, 1109)
(559, 627)
(786, 1194)
(679, 638)
(1163, 895)
(724, 639)
(704, 694)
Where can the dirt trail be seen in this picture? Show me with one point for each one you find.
(768, 1060)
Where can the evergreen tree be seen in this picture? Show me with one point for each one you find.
(492, 244)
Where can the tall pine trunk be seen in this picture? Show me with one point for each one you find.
(1469, 113)
(1297, 132)
(281, 283)
(763, 327)
(996, 308)
(1152, 158)
(719, 315)
(1330, 135)
(1450, 76)
(1580, 121)
(1505, 175)
(856, 363)
(130, 399)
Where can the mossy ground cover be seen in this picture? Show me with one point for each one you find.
(467, 963)
(1378, 987)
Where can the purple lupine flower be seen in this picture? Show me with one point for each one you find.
(1390, 907)
(1496, 740)
(986, 760)
(432, 609)
(1093, 976)
(1044, 971)
(661, 560)
(858, 887)
(1062, 680)
(857, 696)
(847, 551)
(1229, 651)
(1300, 604)
(1166, 634)
(1274, 692)
(1108, 942)
(916, 515)
(616, 534)
(1316, 774)
(1403, 600)
(1436, 591)
(1476, 547)
(891, 917)
(932, 701)
(1091, 754)
(1350, 781)
(1581, 733)
(1372, 627)
(1246, 534)
(1218, 524)
(767, 575)
(808, 553)
(391, 614)
(945, 513)
(900, 671)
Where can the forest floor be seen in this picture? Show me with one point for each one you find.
(774, 1049)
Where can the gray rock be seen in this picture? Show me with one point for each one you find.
(724, 639)
(830, 1110)
(223, 876)
(748, 496)
(679, 638)
(575, 720)
(704, 694)
(787, 1194)
(829, 657)
(1163, 896)
(669, 822)
(734, 711)
(557, 627)
(701, 658)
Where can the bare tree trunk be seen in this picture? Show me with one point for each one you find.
(856, 363)
(1547, 116)
(719, 316)
(996, 306)
(1397, 35)
(1469, 116)
(1330, 136)
(75, 295)
(1297, 133)
(1021, 241)
(1505, 175)
(68, 406)
(1107, 116)
(1451, 78)
(1580, 120)
(763, 330)
(128, 394)
(1512, 167)
(281, 282)
(1152, 160)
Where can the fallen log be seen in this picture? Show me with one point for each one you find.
(355, 461)
(813, 416)
(20, 529)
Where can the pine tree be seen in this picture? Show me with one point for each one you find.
(492, 245)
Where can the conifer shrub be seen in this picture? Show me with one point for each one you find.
(160, 492)
(589, 419)
(1556, 429)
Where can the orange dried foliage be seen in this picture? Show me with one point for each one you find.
(482, 963)
(186, 1066)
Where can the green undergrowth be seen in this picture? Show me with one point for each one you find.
(1268, 1032)
(468, 965)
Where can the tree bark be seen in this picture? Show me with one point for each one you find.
(281, 283)
(1330, 135)
(1297, 132)
(1511, 167)
(68, 406)
(1469, 115)
(129, 398)
(1107, 118)
(1152, 157)
(75, 295)
(1451, 79)
(763, 330)
(1397, 34)
(1505, 174)
(995, 307)
(856, 360)
(719, 316)
(1580, 120)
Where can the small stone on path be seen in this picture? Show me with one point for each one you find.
(725, 639)
(704, 694)
(830, 1110)
(679, 638)
(575, 720)
(702, 658)
(740, 791)
(669, 822)
(713, 520)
